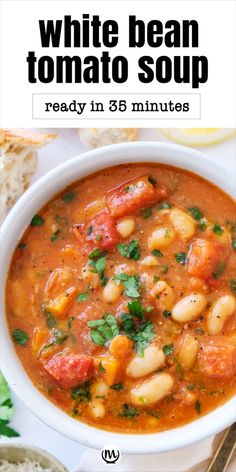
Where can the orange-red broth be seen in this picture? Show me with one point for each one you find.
(45, 249)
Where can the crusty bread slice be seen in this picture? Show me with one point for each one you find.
(18, 159)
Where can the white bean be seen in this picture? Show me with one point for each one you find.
(152, 360)
(152, 390)
(99, 389)
(161, 238)
(189, 307)
(112, 291)
(97, 409)
(165, 295)
(126, 227)
(222, 309)
(150, 261)
(188, 351)
(183, 223)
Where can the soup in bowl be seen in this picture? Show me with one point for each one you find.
(121, 295)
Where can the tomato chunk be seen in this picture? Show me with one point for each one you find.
(133, 195)
(69, 370)
(217, 357)
(207, 259)
(99, 232)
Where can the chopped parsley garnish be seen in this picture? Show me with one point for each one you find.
(81, 393)
(135, 309)
(164, 206)
(89, 230)
(101, 369)
(37, 221)
(219, 270)
(97, 262)
(6, 410)
(198, 406)
(152, 181)
(166, 313)
(232, 284)
(143, 337)
(6, 430)
(195, 213)
(217, 229)
(130, 188)
(20, 337)
(130, 282)
(146, 212)
(131, 250)
(156, 278)
(70, 321)
(117, 387)
(68, 197)
(156, 253)
(191, 387)
(55, 235)
(82, 297)
(127, 324)
(181, 257)
(58, 336)
(128, 411)
(50, 319)
(203, 224)
(21, 246)
(168, 349)
(103, 330)
(178, 368)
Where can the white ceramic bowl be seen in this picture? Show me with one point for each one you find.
(11, 231)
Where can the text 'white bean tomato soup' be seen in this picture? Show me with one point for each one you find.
(121, 298)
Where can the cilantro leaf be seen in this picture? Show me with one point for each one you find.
(130, 282)
(98, 263)
(143, 337)
(131, 250)
(146, 213)
(81, 393)
(117, 387)
(50, 319)
(198, 406)
(21, 246)
(82, 297)
(20, 337)
(135, 309)
(69, 196)
(195, 213)
(156, 253)
(181, 257)
(37, 221)
(128, 411)
(7, 431)
(217, 229)
(103, 330)
(168, 349)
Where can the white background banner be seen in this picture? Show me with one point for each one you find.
(210, 105)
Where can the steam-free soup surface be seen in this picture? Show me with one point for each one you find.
(121, 298)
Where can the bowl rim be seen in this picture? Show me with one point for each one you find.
(13, 227)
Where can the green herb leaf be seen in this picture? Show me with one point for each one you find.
(168, 349)
(146, 212)
(96, 254)
(68, 197)
(181, 257)
(198, 406)
(164, 206)
(82, 297)
(127, 324)
(195, 213)
(21, 246)
(20, 337)
(70, 321)
(217, 229)
(232, 284)
(178, 368)
(234, 244)
(130, 282)
(37, 221)
(135, 309)
(98, 263)
(164, 269)
(101, 369)
(128, 411)
(103, 330)
(89, 230)
(191, 387)
(144, 337)
(117, 387)
(166, 313)
(81, 393)
(131, 250)
(219, 270)
(50, 319)
(203, 224)
(155, 278)
(156, 253)
(55, 236)
(5, 430)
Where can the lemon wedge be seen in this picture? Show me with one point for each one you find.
(198, 136)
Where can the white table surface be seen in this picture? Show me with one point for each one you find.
(32, 430)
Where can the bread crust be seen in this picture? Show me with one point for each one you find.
(10, 140)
